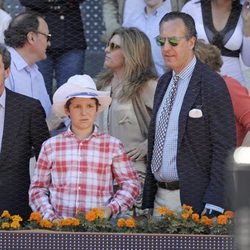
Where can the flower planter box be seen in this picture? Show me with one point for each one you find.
(41, 239)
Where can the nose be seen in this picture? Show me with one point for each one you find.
(106, 50)
(166, 46)
(83, 111)
(48, 43)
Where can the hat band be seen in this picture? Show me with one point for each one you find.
(82, 93)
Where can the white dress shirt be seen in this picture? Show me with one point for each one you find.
(27, 80)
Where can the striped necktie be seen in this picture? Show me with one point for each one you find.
(161, 131)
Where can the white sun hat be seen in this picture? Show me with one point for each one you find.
(81, 86)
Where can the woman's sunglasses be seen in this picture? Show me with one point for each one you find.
(112, 46)
(173, 41)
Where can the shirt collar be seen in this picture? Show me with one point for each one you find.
(18, 60)
(69, 132)
(157, 12)
(3, 99)
(188, 70)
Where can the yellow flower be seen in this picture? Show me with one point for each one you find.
(161, 210)
(121, 222)
(66, 222)
(15, 224)
(16, 218)
(229, 214)
(35, 216)
(56, 223)
(75, 222)
(5, 225)
(222, 219)
(90, 216)
(205, 220)
(187, 209)
(46, 223)
(170, 212)
(5, 214)
(98, 212)
(195, 217)
(130, 222)
(185, 215)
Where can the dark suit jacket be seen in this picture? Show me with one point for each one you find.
(203, 143)
(64, 20)
(24, 128)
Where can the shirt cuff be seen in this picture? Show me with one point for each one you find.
(115, 208)
(215, 208)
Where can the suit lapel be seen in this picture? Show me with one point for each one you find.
(192, 92)
(12, 124)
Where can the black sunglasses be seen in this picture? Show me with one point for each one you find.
(173, 41)
(47, 35)
(112, 46)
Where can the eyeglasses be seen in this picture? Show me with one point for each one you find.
(47, 35)
(173, 41)
(112, 46)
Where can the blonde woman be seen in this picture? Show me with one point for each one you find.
(130, 77)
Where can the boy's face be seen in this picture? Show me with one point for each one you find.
(82, 112)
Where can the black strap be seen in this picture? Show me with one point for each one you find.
(220, 38)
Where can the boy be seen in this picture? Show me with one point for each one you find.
(76, 169)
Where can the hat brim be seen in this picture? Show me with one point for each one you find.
(66, 92)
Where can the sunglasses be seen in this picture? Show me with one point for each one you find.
(173, 41)
(47, 35)
(112, 46)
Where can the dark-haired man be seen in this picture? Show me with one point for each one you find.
(28, 37)
(22, 129)
(192, 129)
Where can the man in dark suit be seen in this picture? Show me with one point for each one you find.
(22, 130)
(192, 129)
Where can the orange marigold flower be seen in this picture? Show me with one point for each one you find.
(121, 222)
(15, 224)
(205, 220)
(170, 212)
(98, 212)
(66, 222)
(187, 209)
(222, 219)
(130, 222)
(46, 223)
(5, 214)
(90, 216)
(16, 218)
(5, 225)
(56, 223)
(75, 222)
(229, 214)
(35, 216)
(161, 210)
(195, 217)
(185, 215)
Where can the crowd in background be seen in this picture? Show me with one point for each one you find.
(178, 108)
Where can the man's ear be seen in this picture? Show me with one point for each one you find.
(31, 37)
(6, 73)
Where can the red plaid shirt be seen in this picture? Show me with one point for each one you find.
(74, 175)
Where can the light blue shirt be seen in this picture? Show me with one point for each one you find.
(168, 171)
(27, 80)
(149, 24)
(2, 115)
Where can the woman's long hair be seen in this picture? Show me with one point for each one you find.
(139, 65)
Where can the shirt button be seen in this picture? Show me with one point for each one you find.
(62, 17)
